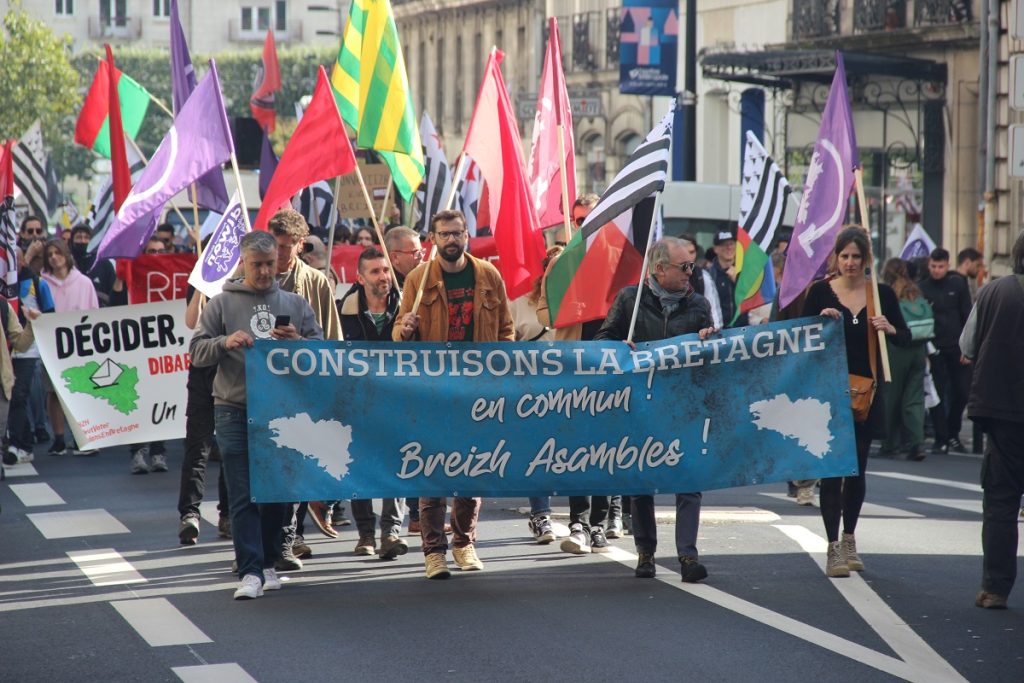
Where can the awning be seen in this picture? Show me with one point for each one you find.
(784, 68)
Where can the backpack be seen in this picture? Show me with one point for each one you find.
(919, 317)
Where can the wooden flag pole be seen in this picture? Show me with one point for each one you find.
(643, 267)
(376, 226)
(332, 221)
(241, 193)
(567, 218)
(195, 217)
(433, 254)
(858, 175)
(384, 206)
(184, 221)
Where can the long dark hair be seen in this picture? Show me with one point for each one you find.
(856, 235)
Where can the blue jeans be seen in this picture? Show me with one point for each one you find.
(540, 505)
(255, 529)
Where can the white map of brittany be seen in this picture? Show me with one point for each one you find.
(805, 419)
(325, 441)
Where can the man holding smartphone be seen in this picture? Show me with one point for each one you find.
(247, 310)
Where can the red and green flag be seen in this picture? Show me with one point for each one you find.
(762, 207)
(606, 253)
(93, 127)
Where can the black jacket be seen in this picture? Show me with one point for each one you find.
(951, 303)
(356, 325)
(693, 314)
(997, 384)
(726, 296)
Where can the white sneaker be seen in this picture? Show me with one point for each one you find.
(249, 588)
(159, 463)
(21, 455)
(578, 542)
(271, 581)
(805, 495)
(139, 465)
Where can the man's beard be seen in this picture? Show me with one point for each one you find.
(453, 258)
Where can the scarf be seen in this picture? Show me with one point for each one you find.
(669, 300)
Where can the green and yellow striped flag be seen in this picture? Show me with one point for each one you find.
(372, 90)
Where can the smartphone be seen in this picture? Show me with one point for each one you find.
(282, 320)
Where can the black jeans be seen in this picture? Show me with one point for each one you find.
(1002, 478)
(952, 383)
(590, 511)
(843, 497)
(19, 426)
(199, 443)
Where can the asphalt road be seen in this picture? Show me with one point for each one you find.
(94, 586)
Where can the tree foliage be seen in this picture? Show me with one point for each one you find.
(36, 81)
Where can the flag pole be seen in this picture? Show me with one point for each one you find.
(858, 175)
(241, 194)
(184, 221)
(384, 206)
(643, 268)
(195, 215)
(433, 253)
(332, 221)
(567, 218)
(376, 225)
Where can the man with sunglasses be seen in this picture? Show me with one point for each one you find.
(405, 250)
(668, 308)
(464, 300)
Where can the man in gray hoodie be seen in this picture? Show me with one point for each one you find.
(247, 310)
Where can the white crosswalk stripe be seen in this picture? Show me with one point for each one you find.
(159, 622)
(105, 567)
(213, 673)
(36, 495)
(74, 523)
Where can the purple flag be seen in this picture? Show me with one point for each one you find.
(199, 140)
(221, 255)
(210, 189)
(268, 164)
(826, 189)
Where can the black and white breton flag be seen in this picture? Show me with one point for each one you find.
(437, 177)
(315, 203)
(644, 174)
(34, 173)
(101, 213)
(764, 193)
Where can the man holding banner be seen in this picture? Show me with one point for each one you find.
(463, 299)
(247, 310)
(668, 307)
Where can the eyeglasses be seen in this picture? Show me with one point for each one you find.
(446, 236)
(34, 231)
(156, 251)
(418, 253)
(685, 267)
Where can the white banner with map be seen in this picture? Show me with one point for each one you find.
(119, 372)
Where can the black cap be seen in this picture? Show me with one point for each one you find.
(724, 236)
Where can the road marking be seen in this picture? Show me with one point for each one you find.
(955, 503)
(105, 567)
(976, 488)
(213, 673)
(74, 523)
(36, 495)
(159, 622)
(925, 662)
(26, 470)
(868, 510)
(665, 514)
(208, 511)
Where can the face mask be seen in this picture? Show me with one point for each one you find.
(80, 252)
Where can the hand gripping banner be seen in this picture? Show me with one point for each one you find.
(334, 420)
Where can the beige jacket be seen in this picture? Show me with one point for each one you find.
(21, 338)
(313, 286)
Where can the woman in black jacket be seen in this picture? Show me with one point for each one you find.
(845, 297)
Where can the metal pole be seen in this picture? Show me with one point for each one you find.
(690, 94)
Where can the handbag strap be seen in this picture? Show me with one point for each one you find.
(872, 334)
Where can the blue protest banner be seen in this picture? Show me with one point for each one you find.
(648, 43)
(335, 420)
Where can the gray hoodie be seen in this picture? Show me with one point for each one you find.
(239, 307)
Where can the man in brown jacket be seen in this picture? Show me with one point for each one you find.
(463, 301)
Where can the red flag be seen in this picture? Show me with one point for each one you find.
(120, 171)
(7, 169)
(156, 277)
(494, 144)
(268, 81)
(318, 149)
(553, 109)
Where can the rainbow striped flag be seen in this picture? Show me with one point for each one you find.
(372, 90)
(762, 207)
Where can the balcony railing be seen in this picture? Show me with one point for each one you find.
(590, 40)
(823, 18)
(114, 28)
(870, 16)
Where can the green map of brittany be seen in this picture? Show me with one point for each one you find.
(120, 394)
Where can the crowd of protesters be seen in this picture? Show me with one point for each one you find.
(923, 307)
